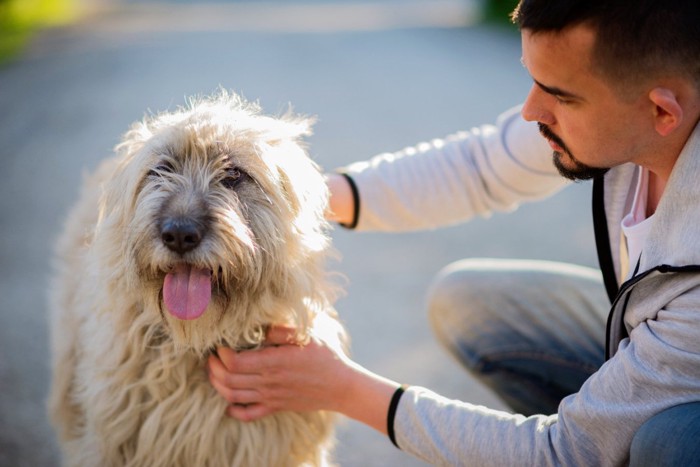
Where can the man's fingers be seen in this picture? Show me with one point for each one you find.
(221, 388)
(235, 395)
(216, 366)
(227, 357)
(248, 412)
(245, 396)
(218, 373)
(281, 335)
(252, 361)
(244, 362)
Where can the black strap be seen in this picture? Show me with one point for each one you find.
(636, 268)
(391, 414)
(602, 239)
(622, 330)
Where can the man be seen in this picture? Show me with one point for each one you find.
(616, 96)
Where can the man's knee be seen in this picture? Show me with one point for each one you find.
(670, 438)
(461, 294)
(471, 290)
(454, 286)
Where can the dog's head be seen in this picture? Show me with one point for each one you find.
(217, 215)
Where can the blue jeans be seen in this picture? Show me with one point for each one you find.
(669, 439)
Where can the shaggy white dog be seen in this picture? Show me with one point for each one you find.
(205, 228)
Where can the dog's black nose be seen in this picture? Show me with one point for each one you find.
(180, 235)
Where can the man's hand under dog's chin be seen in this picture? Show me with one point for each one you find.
(286, 376)
(282, 375)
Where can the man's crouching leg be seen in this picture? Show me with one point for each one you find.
(533, 331)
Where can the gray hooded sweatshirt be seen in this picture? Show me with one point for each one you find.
(653, 338)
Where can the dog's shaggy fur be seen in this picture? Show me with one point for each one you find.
(219, 196)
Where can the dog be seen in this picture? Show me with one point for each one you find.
(205, 228)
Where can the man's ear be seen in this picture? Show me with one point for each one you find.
(668, 113)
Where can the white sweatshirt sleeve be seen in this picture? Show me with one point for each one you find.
(444, 182)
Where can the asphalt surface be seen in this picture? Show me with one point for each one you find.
(378, 75)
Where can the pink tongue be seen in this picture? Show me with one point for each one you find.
(187, 291)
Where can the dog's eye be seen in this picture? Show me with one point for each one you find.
(160, 169)
(234, 175)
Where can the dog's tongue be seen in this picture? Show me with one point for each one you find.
(187, 291)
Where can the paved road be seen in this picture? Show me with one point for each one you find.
(379, 76)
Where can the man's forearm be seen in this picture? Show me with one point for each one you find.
(367, 398)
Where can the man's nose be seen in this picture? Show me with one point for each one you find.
(535, 108)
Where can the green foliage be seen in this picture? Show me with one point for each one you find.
(498, 11)
(20, 18)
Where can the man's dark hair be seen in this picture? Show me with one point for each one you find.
(635, 39)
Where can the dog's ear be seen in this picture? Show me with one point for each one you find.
(301, 182)
(287, 128)
(134, 139)
(120, 181)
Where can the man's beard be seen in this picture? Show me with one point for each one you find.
(579, 171)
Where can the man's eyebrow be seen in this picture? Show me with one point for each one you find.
(556, 91)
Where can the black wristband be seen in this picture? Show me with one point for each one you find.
(393, 405)
(356, 202)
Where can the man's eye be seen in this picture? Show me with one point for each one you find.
(234, 175)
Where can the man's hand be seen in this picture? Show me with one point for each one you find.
(283, 375)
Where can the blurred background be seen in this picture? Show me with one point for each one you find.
(379, 75)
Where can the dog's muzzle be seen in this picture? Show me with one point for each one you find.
(186, 288)
(181, 235)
